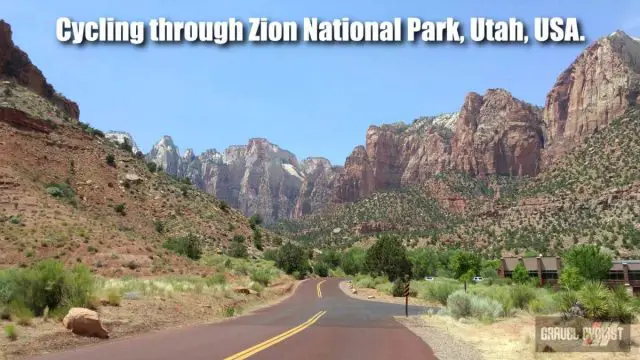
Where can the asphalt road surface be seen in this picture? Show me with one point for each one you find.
(317, 322)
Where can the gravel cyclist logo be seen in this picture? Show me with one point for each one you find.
(577, 334)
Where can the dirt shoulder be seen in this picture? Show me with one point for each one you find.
(137, 316)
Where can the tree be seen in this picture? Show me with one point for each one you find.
(330, 257)
(590, 261)
(466, 278)
(465, 261)
(465, 266)
(570, 278)
(424, 262)
(520, 274)
(352, 261)
(388, 257)
(238, 250)
(257, 239)
(255, 220)
(292, 258)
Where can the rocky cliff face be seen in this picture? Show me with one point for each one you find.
(257, 178)
(16, 65)
(120, 137)
(597, 88)
(497, 134)
(493, 133)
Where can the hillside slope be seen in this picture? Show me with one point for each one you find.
(62, 197)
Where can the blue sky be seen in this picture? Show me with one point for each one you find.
(312, 99)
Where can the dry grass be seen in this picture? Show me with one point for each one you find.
(513, 338)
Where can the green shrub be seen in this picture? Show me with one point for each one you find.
(385, 288)
(352, 261)
(596, 300)
(188, 245)
(10, 332)
(388, 257)
(570, 278)
(262, 276)
(589, 260)
(238, 250)
(223, 206)
(520, 274)
(238, 238)
(293, 258)
(397, 290)
(321, 269)
(459, 304)
(217, 279)
(21, 313)
(440, 290)
(257, 239)
(47, 284)
(152, 167)
(111, 160)
(114, 298)
(367, 281)
(522, 295)
(120, 209)
(270, 254)
(485, 308)
(566, 299)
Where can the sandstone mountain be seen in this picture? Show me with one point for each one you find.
(514, 176)
(257, 178)
(491, 134)
(66, 192)
(598, 87)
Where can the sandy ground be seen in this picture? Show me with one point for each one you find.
(374, 295)
(139, 316)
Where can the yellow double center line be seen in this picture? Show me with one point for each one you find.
(257, 348)
(318, 286)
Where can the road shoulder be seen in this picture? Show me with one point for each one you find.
(444, 346)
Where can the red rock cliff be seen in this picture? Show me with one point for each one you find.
(15, 64)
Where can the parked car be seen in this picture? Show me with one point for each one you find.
(429, 278)
(477, 278)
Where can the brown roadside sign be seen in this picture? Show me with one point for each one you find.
(405, 293)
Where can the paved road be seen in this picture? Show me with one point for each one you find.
(309, 325)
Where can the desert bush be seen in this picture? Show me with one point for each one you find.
(113, 297)
(10, 332)
(352, 261)
(188, 245)
(217, 279)
(47, 284)
(440, 290)
(595, 298)
(270, 254)
(367, 281)
(570, 278)
(152, 167)
(111, 160)
(321, 269)
(520, 274)
(522, 295)
(20, 312)
(120, 209)
(262, 276)
(459, 304)
(292, 258)
(385, 288)
(485, 308)
(238, 250)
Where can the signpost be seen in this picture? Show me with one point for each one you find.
(406, 299)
